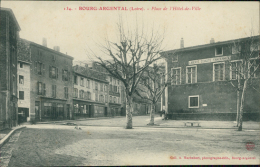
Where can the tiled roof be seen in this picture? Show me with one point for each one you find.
(87, 72)
(210, 44)
(23, 51)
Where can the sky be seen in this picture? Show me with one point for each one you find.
(78, 31)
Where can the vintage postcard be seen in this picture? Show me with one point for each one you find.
(129, 83)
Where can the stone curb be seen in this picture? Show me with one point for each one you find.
(5, 139)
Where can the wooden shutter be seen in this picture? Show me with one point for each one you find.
(63, 75)
(50, 72)
(43, 69)
(57, 73)
(35, 66)
(38, 90)
(43, 89)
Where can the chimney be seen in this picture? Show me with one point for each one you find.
(56, 48)
(212, 40)
(182, 43)
(44, 42)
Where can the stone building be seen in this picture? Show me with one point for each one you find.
(90, 97)
(51, 82)
(24, 80)
(107, 92)
(204, 80)
(9, 34)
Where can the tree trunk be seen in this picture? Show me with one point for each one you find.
(152, 114)
(238, 99)
(242, 106)
(129, 109)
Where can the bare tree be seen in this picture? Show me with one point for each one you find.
(243, 70)
(129, 57)
(152, 86)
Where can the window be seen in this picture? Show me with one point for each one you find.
(191, 74)
(218, 72)
(75, 93)
(21, 95)
(114, 81)
(236, 49)
(101, 87)
(39, 53)
(41, 88)
(110, 88)
(114, 99)
(14, 85)
(53, 58)
(21, 79)
(174, 58)
(96, 96)
(115, 89)
(76, 80)
(254, 47)
(53, 90)
(101, 98)
(194, 101)
(105, 88)
(96, 86)
(65, 75)
(110, 99)
(218, 51)
(39, 68)
(66, 92)
(253, 68)
(87, 96)
(88, 83)
(118, 81)
(106, 98)
(81, 81)
(176, 76)
(81, 94)
(13, 55)
(21, 65)
(235, 67)
(53, 72)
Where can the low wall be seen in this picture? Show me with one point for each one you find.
(213, 116)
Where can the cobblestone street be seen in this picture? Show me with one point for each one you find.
(60, 145)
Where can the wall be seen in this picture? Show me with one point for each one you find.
(214, 96)
(61, 62)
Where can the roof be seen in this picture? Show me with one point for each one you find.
(209, 45)
(23, 51)
(48, 49)
(10, 11)
(89, 73)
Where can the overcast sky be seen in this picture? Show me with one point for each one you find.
(75, 31)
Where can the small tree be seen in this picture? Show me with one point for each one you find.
(248, 52)
(152, 87)
(129, 57)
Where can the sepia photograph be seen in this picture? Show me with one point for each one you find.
(112, 83)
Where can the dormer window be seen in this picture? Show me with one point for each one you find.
(219, 51)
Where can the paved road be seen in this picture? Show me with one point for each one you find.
(60, 145)
(142, 121)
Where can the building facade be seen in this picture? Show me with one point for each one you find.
(9, 35)
(204, 81)
(90, 96)
(96, 93)
(51, 83)
(24, 81)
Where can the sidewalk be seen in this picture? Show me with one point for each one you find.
(7, 133)
(142, 121)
